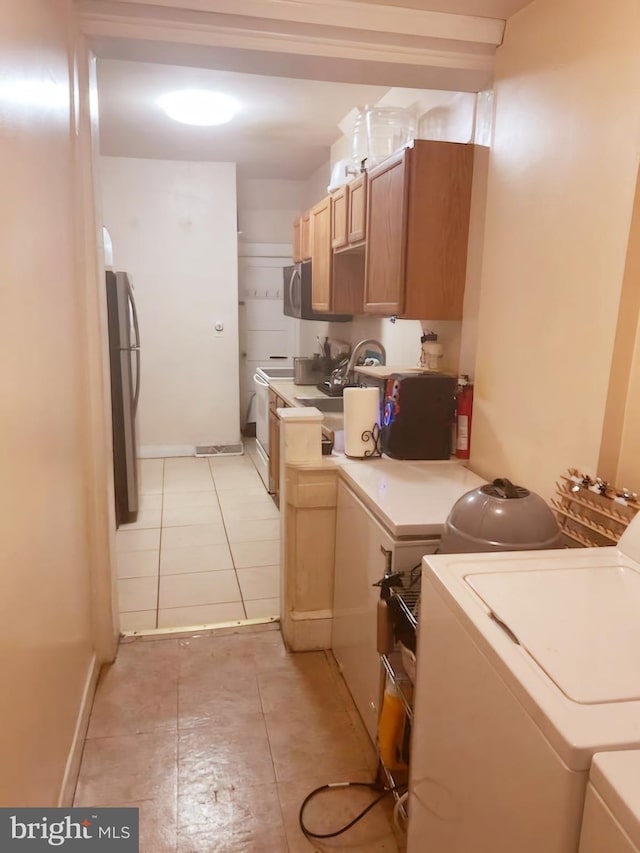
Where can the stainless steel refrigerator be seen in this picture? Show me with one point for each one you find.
(124, 360)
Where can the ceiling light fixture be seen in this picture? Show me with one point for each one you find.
(199, 106)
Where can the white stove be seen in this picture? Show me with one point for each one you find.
(528, 663)
(283, 370)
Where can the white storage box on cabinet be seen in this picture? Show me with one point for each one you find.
(359, 563)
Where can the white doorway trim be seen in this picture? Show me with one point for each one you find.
(349, 41)
(99, 452)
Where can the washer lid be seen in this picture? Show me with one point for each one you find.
(581, 626)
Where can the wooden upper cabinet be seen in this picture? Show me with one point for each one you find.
(417, 232)
(349, 214)
(321, 255)
(386, 236)
(357, 209)
(339, 217)
(297, 241)
(305, 235)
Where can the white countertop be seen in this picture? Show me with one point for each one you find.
(409, 498)
(288, 390)
(384, 370)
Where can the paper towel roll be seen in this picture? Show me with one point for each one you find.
(361, 413)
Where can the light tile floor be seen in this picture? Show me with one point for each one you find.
(218, 738)
(204, 549)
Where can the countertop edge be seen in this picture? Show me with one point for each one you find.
(398, 531)
(331, 421)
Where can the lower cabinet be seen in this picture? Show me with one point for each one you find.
(359, 563)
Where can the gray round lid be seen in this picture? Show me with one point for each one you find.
(500, 517)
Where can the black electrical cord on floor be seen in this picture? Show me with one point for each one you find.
(331, 786)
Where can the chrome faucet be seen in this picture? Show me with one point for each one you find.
(356, 351)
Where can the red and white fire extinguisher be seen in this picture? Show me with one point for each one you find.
(464, 408)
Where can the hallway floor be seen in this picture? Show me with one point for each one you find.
(217, 738)
(205, 548)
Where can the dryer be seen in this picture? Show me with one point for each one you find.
(611, 822)
(528, 664)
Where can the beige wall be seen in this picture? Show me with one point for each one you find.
(619, 456)
(174, 230)
(46, 491)
(560, 194)
(267, 208)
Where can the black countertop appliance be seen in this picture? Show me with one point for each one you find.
(417, 415)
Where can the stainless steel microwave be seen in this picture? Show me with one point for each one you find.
(297, 296)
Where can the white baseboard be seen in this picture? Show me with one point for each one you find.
(155, 451)
(68, 787)
(164, 451)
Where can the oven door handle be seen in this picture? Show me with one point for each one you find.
(260, 381)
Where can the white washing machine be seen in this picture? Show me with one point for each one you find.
(611, 822)
(528, 665)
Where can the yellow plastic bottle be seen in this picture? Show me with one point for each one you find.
(391, 729)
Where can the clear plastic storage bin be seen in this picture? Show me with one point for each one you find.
(388, 130)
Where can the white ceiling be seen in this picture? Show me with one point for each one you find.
(284, 130)
(286, 126)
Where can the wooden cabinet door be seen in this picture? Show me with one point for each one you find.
(321, 255)
(357, 207)
(305, 235)
(439, 207)
(347, 282)
(297, 241)
(339, 218)
(386, 236)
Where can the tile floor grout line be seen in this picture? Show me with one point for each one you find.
(178, 744)
(266, 728)
(226, 533)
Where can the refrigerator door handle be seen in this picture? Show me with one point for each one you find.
(136, 347)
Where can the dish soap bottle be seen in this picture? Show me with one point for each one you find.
(430, 351)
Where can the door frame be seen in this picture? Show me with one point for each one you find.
(98, 450)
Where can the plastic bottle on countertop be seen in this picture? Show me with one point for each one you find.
(430, 351)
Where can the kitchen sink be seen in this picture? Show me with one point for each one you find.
(324, 404)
